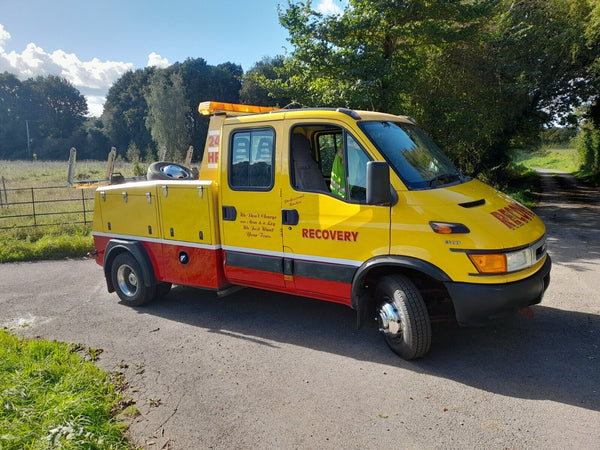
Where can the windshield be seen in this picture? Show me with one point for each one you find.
(416, 159)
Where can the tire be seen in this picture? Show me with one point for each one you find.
(128, 281)
(164, 170)
(402, 317)
(162, 289)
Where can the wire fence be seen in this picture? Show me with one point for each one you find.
(45, 206)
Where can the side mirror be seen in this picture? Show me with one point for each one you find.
(378, 183)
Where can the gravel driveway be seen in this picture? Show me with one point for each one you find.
(262, 370)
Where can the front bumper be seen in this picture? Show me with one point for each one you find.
(481, 304)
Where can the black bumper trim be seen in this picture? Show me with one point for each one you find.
(481, 304)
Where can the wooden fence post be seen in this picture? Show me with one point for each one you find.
(33, 206)
(4, 191)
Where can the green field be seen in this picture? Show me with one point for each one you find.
(565, 159)
(57, 230)
(27, 174)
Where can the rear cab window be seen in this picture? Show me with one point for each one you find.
(251, 159)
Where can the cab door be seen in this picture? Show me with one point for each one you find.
(250, 208)
(328, 229)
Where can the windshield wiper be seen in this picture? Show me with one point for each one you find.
(449, 177)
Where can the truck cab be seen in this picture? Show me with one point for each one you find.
(353, 207)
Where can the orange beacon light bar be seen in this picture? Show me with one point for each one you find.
(208, 108)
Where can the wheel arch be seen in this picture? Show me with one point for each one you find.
(368, 273)
(137, 250)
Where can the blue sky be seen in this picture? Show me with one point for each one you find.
(92, 44)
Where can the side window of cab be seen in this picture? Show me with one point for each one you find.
(251, 159)
(327, 159)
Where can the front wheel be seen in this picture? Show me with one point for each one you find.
(128, 281)
(402, 317)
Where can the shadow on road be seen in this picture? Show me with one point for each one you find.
(554, 356)
(571, 213)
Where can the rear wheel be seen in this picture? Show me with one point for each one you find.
(402, 317)
(128, 281)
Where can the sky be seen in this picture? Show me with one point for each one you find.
(93, 43)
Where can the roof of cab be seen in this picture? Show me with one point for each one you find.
(318, 113)
(253, 113)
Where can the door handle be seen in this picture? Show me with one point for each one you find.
(229, 213)
(289, 217)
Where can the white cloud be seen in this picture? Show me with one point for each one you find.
(330, 7)
(92, 78)
(4, 36)
(154, 59)
(95, 104)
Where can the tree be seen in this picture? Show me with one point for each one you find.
(168, 113)
(427, 59)
(94, 143)
(548, 48)
(254, 92)
(48, 111)
(478, 75)
(204, 82)
(60, 106)
(13, 140)
(125, 111)
(588, 142)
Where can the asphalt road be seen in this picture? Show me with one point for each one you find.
(262, 370)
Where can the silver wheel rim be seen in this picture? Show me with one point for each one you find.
(389, 320)
(127, 280)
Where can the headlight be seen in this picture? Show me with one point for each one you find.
(510, 261)
(519, 260)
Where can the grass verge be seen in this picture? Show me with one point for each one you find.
(26, 244)
(565, 159)
(521, 183)
(587, 177)
(51, 397)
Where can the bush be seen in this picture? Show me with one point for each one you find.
(588, 146)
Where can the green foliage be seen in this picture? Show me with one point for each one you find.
(45, 243)
(51, 398)
(61, 108)
(558, 136)
(521, 183)
(588, 143)
(139, 169)
(133, 153)
(48, 111)
(479, 76)
(380, 56)
(205, 82)
(588, 146)
(254, 92)
(167, 113)
(125, 110)
(93, 143)
(557, 158)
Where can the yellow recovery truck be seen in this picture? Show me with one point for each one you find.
(354, 207)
